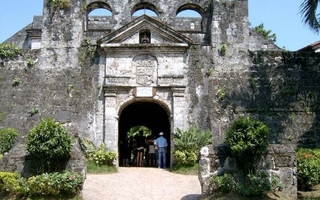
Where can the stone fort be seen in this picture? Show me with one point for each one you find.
(102, 75)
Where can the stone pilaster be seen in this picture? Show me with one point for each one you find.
(110, 119)
(179, 108)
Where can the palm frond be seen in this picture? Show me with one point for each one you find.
(308, 10)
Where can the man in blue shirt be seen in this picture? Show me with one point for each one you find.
(162, 144)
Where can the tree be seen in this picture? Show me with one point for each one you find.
(308, 10)
(266, 34)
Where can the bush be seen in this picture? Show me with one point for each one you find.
(43, 185)
(188, 143)
(7, 139)
(224, 184)
(103, 157)
(9, 182)
(256, 185)
(308, 161)
(8, 51)
(99, 156)
(49, 144)
(248, 140)
(55, 184)
(185, 157)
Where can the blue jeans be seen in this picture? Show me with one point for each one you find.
(162, 157)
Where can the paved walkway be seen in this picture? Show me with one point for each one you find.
(134, 183)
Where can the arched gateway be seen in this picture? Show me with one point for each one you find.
(144, 83)
(150, 114)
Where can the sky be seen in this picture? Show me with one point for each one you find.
(280, 16)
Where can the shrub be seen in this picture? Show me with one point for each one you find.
(7, 139)
(189, 143)
(99, 156)
(248, 140)
(8, 51)
(255, 185)
(103, 157)
(185, 157)
(55, 183)
(9, 182)
(63, 4)
(308, 168)
(49, 144)
(224, 184)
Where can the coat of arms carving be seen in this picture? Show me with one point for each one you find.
(145, 69)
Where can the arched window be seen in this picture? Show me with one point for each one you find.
(144, 9)
(98, 13)
(189, 17)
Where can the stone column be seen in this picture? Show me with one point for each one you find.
(179, 114)
(179, 108)
(110, 136)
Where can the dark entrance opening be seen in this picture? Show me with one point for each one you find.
(148, 114)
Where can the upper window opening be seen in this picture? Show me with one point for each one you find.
(145, 11)
(189, 13)
(100, 12)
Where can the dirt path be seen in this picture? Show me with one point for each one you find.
(133, 183)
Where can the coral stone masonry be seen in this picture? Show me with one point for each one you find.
(102, 75)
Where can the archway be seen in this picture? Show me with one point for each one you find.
(147, 114)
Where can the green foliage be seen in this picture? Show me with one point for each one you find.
(62, 4)
(308, 161)
(103, 157)
(93, 168)
(185, 157)
(55, 183)
(188, 143)
(276, 184)
(8, 51)
(49, 144)
(266, 34)
(248, 140)
(255, 185)
(30, 62)
(9, 182)
(221, 95)
(224, 184)
(99, 156)
(7, 139)
(134, 131)
(43, 185)
(309, 11)
(16, 81)
(2, 115)
(223, 50)
(33, 111)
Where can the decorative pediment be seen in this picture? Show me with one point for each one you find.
(145, 30)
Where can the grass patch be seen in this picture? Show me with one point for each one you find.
(92, 168)
(186, 169)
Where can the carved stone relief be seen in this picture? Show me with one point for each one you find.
(146, 68)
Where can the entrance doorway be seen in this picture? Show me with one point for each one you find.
(146, 114)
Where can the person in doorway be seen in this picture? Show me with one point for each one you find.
(151, 152)
(140, 149)
(162, 144)
(126, 151)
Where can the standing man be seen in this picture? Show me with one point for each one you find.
(162, 144)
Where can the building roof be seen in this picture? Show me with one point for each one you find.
(314, 47)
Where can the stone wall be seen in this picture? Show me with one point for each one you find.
(279, 161)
